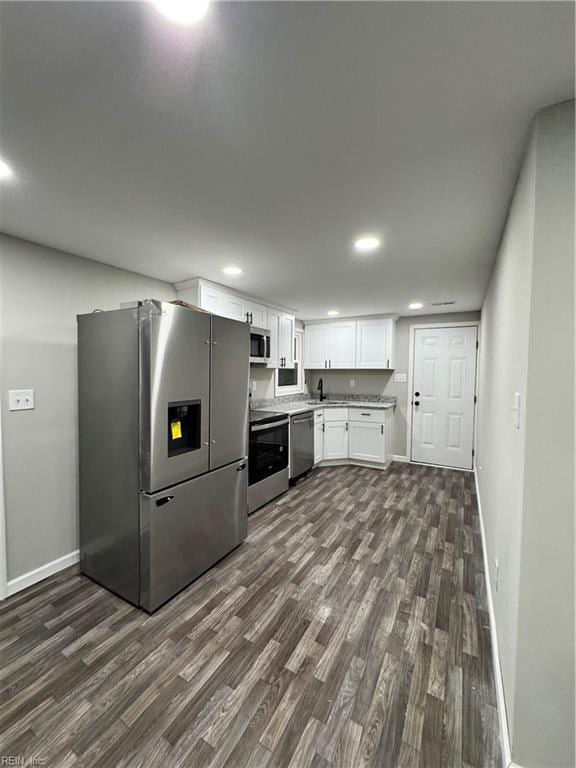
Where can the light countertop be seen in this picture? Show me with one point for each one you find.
(301, 406)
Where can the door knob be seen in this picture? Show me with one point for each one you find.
(416, 402)
(416, 394)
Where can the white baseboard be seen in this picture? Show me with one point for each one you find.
(405, 459)
(38, 574)
(500, 699)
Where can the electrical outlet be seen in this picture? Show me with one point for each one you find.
(496, 574)
(352, 382)
(21, 399)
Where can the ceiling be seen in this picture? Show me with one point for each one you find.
(271, 134)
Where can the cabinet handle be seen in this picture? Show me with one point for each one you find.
(365, 414)
(323, 427)
(381, 429)
(325, 364)
(329, 363)
(346, 426)
(388, 362)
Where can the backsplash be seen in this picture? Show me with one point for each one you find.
(267, 402)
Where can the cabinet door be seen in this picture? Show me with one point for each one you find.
(367, 441)
(221, 303)
(373, 343)
(274, 326)
(232, 307)
(335, 440)
(315, 346)
(286, 340)
(318, 442)
(256, 314)
(341, 345)
(210, 299)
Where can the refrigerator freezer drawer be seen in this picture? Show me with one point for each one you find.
(186, 529)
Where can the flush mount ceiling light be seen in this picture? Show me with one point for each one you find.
(6, 173)
(232, 270)
(332, 312)
(415, 305)
(184, 12)
(367, 244)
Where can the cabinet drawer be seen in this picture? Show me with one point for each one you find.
(336, 414)
(367, 414)
(318, 416)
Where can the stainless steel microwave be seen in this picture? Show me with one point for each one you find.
(259, 345)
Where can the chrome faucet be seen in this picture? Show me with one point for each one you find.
(321, 388)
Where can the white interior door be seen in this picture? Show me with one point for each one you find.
(444, 377)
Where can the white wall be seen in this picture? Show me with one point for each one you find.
(526, 475)
(41, 292)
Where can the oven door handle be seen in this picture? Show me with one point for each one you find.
(270, 425)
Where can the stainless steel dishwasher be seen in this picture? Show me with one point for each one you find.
(301, 443)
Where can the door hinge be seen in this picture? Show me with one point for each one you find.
(475, 399)
(476, 345)
(473, 452)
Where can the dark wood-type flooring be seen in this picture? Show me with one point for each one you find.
(350, 630)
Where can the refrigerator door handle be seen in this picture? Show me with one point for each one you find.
(241, 467)
(164, 500)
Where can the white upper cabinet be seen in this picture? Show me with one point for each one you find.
(350, 344)
(374, 343)
(222, 303)
(255, 314)
(315, 355)
(281, 326)
(286, 340)
(330, 345)
(341, 345)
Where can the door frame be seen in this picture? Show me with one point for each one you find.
(423, 326)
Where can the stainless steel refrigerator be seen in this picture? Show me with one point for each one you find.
(163, 409)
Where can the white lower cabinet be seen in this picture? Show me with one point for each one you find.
(351, 434)
(367, 441)
(335, 440)
(318, 442)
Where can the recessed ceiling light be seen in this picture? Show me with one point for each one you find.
(333, 312)
(416, 305)
(367, 244)
(183, 12)
(232, 270)
(6, 172)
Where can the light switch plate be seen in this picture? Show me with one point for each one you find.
(21, 399)
(516, 403)
(400, 378)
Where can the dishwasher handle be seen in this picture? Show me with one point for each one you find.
(296, 420)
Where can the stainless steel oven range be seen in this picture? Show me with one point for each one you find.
(267, 457)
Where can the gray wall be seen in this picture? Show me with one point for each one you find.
(41, 292)
(382, 382)
(526, 475)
